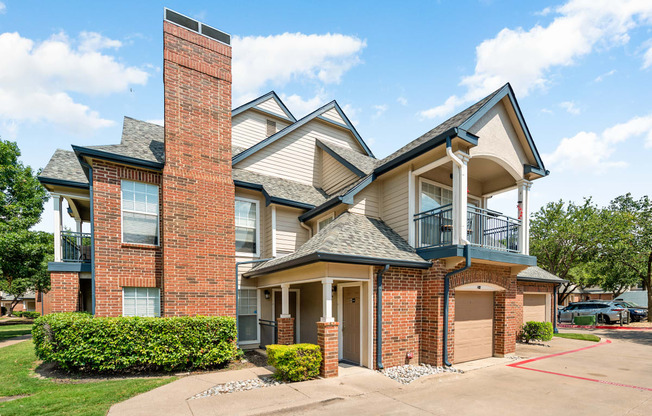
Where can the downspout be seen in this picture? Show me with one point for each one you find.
(467, 256)
(90, 190)
(456, 160)
(554, 317)
(306, 227)
(237, 285)
(379, 317)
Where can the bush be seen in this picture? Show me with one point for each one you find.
(81, 342)
(296, 362)
(536, 331)
(26, 314)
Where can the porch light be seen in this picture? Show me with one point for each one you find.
(334, 288)
(267, 294)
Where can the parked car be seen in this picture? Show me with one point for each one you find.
(605, 312)
(636, 313)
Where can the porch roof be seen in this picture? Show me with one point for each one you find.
(537, 274)
(350, 238)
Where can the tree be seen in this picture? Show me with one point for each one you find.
(564, 237)
(628, 240)
(23, 253)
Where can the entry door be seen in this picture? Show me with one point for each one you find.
(473, 325)
(278, 308)
(351, 324)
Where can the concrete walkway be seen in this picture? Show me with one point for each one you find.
(611, 378)
(15, 340)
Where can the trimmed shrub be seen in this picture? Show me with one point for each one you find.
(26, 314)
(296, 362)
(536, 331)
(81, 342)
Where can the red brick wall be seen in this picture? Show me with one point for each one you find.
(327, 339)
(285, 331)
(46, 306)
(64, 292)
(119, 264)
(198, 195)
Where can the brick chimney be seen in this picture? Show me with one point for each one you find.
(197, 224)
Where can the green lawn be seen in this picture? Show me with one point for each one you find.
(581, 337)
(46, 397)
(10, 331)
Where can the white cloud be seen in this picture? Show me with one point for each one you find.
(3, 8)
(601, 78)
(380, 110)
(590, 150)
(402, 100)
(300, 106)
(526, 57)
(36, 79)
(351, 113)
(570, 107)
(546, 111)
(263, 61)
(647, 58)
(158, 121)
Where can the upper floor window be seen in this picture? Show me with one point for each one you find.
(139, 213)
(433, 196)
(246, 226)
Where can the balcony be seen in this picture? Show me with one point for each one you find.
(75, 247)
(485, 228)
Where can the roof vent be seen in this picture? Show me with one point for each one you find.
(195, 26)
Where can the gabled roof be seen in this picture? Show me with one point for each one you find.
(357, 163)
(64, 169)
(537, 274)
(280, 191)
(302, 122)
(253, 103)
(350, 238)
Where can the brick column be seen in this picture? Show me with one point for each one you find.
(505, 320)
(327, 339)
(64, 291)
(285, 331)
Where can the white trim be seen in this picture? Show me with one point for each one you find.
(327, 300)
(257, 203)
(259, 315)
(340, 311)
(476, 199)
(158, 215)
(257, 340)
(297, 319)
(370, 318)
(81, 197)
(58, 225)
(273, 231)
(316, 279)
(411, 196)
(432, 165)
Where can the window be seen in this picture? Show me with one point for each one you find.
(141, 301)
(247, 315)
(139, 213)
(322, 223)
(246, 226)
(271, 127)
(433, 196)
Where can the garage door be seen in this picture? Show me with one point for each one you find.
(534, 308)
(474, 326)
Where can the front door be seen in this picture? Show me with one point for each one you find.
(278, 308)
(351, 324)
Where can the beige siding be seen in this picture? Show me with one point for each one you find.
(335, 176)
(395, 202)
(289, 233)
(272, 106)
(366, 202)
(332, 114)
(266, 236)
(250, 127)
(298, 150)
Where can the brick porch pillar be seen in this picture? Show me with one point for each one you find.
(505, 321)
(327, 339)
(285, 331)
(64, 292)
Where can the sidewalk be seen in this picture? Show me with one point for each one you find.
(15, 340)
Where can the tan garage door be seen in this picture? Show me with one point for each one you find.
(474, 326)
(534, 308)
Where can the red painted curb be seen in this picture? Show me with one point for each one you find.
(605, 327)
(611, 383)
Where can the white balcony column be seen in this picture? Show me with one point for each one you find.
(58, 225)
(460, 198)
(412, 191)
(78, 229)
(524, 186)
(285, 300)
(327, 301)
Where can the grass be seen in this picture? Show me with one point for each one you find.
(581, 337)
(49, 397)
(10, 331)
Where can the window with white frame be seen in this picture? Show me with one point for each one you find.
(139, 213)
(323, 223)
(433, 196)
(141, 301)
(248, 315)
(246, 226)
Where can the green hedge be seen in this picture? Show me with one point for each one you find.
(296, 362)
(536, 331)
(26, 314)
(81, 342)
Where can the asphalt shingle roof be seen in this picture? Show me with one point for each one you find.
(535, 273)
(140, 140)
(352, 235)
(282, 188)
(64, 165)
(363, 162)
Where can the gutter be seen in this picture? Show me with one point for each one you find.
(112, 157)
(467, 256)
(237, 288)
(271, 199)
(90, 192)
(379, 317)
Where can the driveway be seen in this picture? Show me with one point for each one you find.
(608, 378)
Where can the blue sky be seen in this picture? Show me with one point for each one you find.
(582, 72)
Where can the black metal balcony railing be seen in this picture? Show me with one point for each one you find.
(485, 228)
(75, 247)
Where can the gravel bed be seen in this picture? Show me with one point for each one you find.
(406, 374)
(234, 386)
